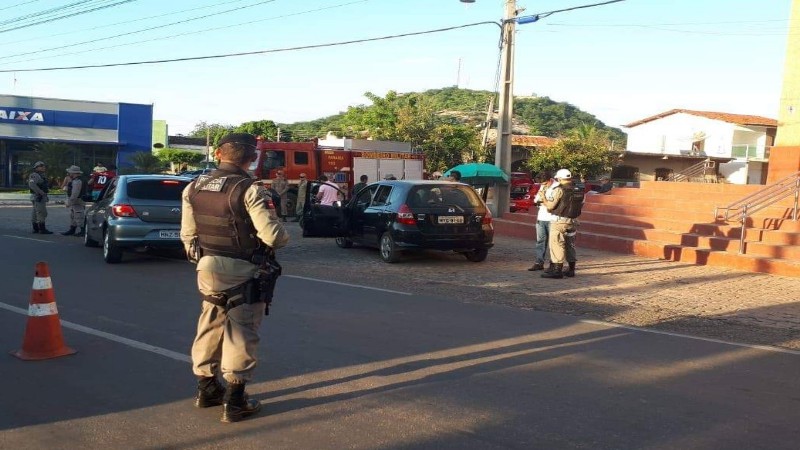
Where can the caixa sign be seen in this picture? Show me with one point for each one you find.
(21, 116)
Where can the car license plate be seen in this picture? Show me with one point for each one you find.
(451, 219)
(169, 234)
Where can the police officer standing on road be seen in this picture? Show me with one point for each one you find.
(76, 189)
(39, 187)
(228, 217)
(302, 191)
(281, 186)
(565, 207)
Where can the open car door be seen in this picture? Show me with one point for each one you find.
(323, 220)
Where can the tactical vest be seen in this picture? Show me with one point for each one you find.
(224, 227)
(570, 203)
(43, 184)
(82, 194)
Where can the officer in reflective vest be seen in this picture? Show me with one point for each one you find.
(39, 187)
(229, 219)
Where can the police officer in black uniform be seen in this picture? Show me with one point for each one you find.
(230, 227)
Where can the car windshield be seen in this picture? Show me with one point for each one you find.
(445, 194)
(156, 189)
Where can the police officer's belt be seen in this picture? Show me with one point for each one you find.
(246, 293)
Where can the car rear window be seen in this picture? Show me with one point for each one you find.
(444, 194)
(156, 189)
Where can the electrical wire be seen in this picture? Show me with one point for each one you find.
(550, 13)
(143, 30)
(77, 13)
(17, 5)
(257, 52)
(172, 36)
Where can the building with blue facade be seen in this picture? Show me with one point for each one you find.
(66, 132)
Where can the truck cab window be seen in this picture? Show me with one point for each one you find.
(274, 159)
(300, 158)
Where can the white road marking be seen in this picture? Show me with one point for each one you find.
(348, 284)
(111, 337)
(768, 348)
(26, 238)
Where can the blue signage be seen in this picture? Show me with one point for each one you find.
(72, 119)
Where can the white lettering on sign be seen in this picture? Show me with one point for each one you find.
(26, 116)
(207, 183)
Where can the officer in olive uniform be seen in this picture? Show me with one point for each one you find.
(76, 190)
(39, 187)
(565, 208)
(229, 218)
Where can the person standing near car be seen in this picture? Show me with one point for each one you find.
(76, 189)
(543, 219)
(302, 191)
(281, 187)
(565, 207)
(37, 183)
(327, 194)
(228, 217)
(360, 185)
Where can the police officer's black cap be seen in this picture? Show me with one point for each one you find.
(238, 138)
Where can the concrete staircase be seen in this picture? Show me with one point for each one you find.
(675, 221)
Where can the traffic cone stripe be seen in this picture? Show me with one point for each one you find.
(41, 283)
(42, 309)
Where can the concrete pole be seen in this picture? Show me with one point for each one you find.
(502, 154)
(784, 159)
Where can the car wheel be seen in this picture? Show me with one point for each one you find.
(87, 241)
(389, 251)
(344, 242)
(477, 255)
(111, 253)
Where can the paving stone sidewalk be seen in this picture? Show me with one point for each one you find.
(627, 289)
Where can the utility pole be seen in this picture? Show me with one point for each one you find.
(278, 139)
(208, 145)
(502, 154)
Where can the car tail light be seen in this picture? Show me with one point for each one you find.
(487, 219)
(123, 211)
(170, 182)
(405, 216)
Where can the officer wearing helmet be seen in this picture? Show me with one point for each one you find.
(565, 206)
(229, 217)
(39, 187)
(76, 192)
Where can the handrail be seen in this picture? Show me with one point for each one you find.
(759, 200)
(693, 171)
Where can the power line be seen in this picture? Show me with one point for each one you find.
(17, 5)
(181, 34)
(542, 15)
(77, 13)
(157, 27)
(258, 52)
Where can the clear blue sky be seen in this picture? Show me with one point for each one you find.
(620, 62)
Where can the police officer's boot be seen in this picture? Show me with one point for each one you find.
(81, 232)
(536, 266)
(570, 272)
(209, 392)
(69, 232)
(236, 405)
(35, 227)
(556, 273)
(43, 229)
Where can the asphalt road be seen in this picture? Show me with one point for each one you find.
(344, 366)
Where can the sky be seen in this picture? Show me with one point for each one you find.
(621, 62)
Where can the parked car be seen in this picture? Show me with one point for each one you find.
(522, 197)
(399, 215)
(195, 173)
(136, 212)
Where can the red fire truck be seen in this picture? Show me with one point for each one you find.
(344, 166)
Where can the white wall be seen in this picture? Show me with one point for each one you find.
(674, 133)
(735, 172)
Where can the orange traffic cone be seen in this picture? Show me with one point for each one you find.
(43, 338)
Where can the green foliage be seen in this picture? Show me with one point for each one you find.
(585, 152)
(264, 128)
(216, 131)
(178, 156)
(546, 117)
(57, 157)
(145, 162)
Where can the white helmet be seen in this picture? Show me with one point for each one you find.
(563, 174)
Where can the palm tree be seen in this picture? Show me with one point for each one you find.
(146, 162)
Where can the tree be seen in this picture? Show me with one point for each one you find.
(215, 130)
(264, 128)
(146, 162)
(176, 156)
(57, 157)
(584, 152)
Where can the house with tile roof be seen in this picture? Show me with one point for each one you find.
(736, 146)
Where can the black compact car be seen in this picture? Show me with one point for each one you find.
(136, 212)
(400, 215)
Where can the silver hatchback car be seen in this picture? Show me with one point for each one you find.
(136, 212)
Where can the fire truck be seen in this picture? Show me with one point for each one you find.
(343, 161)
